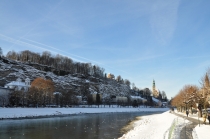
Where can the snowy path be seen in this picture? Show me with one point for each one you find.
(151, 127)
(187, 131)
(198, 132)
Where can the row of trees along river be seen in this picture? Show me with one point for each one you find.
(192, 97)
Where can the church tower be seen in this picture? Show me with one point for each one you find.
(153, 87)
(154, 91)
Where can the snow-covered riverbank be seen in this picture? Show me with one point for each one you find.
(159, 126)
(200, 131)
(44, 112)
(151, 127)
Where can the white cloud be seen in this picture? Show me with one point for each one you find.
(163, 20)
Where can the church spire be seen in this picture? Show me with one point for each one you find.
(154, 91)
(153, 86)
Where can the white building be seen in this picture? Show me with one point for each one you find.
(19, 85)
(157, 102)
(119, 99)
(138, 99)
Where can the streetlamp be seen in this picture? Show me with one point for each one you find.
(198, 113)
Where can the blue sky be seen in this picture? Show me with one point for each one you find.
(168, 41)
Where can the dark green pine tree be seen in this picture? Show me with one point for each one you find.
(98, 99)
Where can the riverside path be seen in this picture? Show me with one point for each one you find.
(186, 132)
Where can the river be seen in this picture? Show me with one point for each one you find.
(82, 126)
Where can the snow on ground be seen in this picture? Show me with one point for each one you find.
(33, 112)
(202, 131)
(151, 127)
(178, 123)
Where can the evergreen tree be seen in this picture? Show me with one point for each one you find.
(98, 99)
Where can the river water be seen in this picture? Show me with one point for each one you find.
(84, 126)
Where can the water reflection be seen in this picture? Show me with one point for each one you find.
(86, 126)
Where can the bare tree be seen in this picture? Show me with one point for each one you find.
(164, 97)
(127, 82)
(118, 79)
(12, 55)
(59, 62)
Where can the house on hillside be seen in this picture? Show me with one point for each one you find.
(138, 99)
(110, 76)
(118, 99)
(157, 102)
(19, 85)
